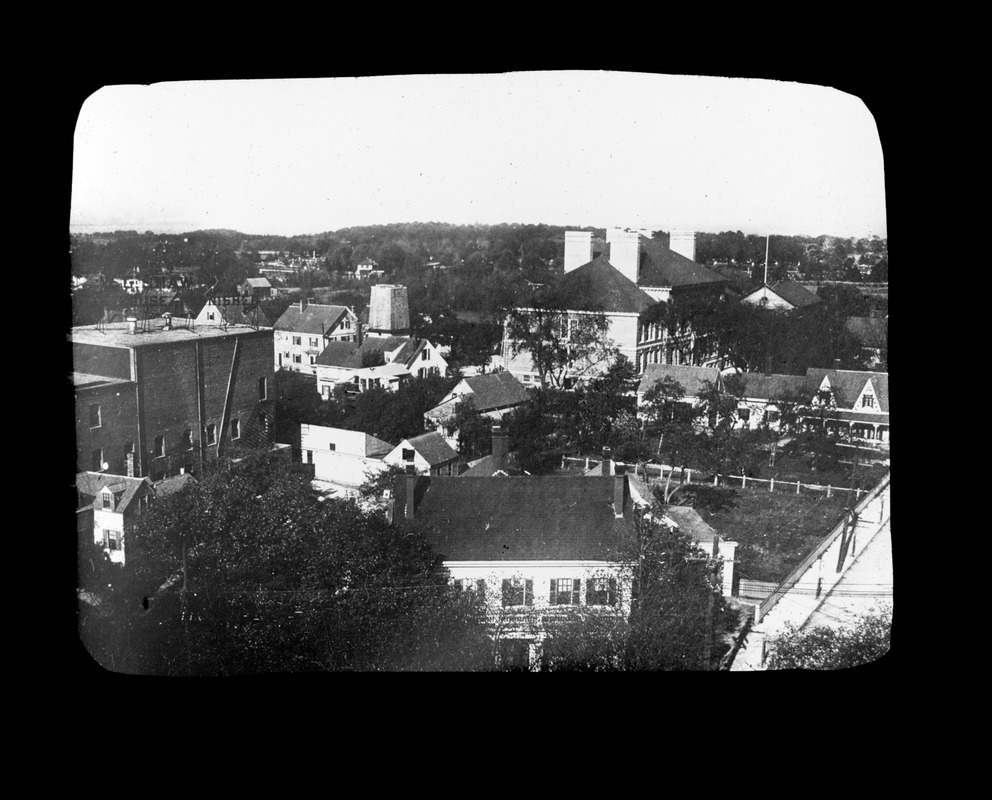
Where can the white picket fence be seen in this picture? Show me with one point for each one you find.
(662, 471)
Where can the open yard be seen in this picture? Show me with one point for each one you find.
(775, 530)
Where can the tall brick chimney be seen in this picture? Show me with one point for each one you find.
(619, 490)
(411, 484)
(607, 461)
(501, 446)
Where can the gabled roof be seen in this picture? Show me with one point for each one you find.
(527, 518)
(688, 521)
(692, 379)
(603, 287)
(496, 390)
(795, 293)
(242, 315)
(848, 383)
(349, 355)
(489, 466)
(433, 448)
(315, 318)
(661, 266)
(258, 283)
(409, 352)
(90, 486)
(172, 485)
(763, 386)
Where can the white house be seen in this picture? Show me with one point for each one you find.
(367, 268)
(107, 506)
(762, 394)
(783, 296)
(693, 380)
(225, 311)
(429, 454)
(305, 329)
(850, 399)
(378, 362)
(493, 395)
(537, 547)
(342, 458)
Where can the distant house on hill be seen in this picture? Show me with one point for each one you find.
(258, 288)
(367, 269)
(783, 296)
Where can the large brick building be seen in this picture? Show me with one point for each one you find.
(153, 399)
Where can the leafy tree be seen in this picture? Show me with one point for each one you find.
(269, 578)
(601, 402)
(676, 615)
(475, 431)
(562, 345)
(833, 648)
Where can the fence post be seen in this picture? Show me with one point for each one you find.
(587, 462)
(828, 490)
(689, 476)
(563, 462)
(716, 480)
(743, 481)
(857, 494)
(771, 485)
(798, 484)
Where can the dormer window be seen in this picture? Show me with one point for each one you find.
(108, 500)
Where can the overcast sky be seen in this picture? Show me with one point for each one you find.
(596, 149)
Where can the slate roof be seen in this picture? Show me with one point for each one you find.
(173, 485)
(488, 466)
(662, 266)
(602, 287)
(528, 518)
(691, 378)
(433, 448)
(90, 487)
(847, 385)
(408, 354)
(496, 390)
(238, 315)
(311, 319)
(795, 293)
(762, 386)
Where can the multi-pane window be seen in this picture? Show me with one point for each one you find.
(408, 454)
(110, 539)
(187, 440)
(96, 460)
(159, 447)
(235, 428)
(108, 500)
(313, 359)
(314, 342)
(297, 358)
(95, 416)
(868, 401)
(211, 434)
(263, 388)
(565, 591)
(331, 446)
(518, 592)
(601, 592)
(744, 414)
(297, 340)
(425, 355)
(211, 317)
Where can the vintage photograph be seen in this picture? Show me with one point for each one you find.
(545, 371)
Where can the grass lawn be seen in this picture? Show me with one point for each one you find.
(775, 530)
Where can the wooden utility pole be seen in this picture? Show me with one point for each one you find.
(768, 240)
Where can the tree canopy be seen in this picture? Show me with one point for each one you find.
(828, 647)
(264, 576)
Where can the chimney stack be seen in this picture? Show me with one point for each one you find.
(132, 325)
(411, 484)
(607, 462)
(625, 252)
(619, 490)
(578, 249)
(501, 446)
(303, 304)
(683, 243)
(168, 320)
